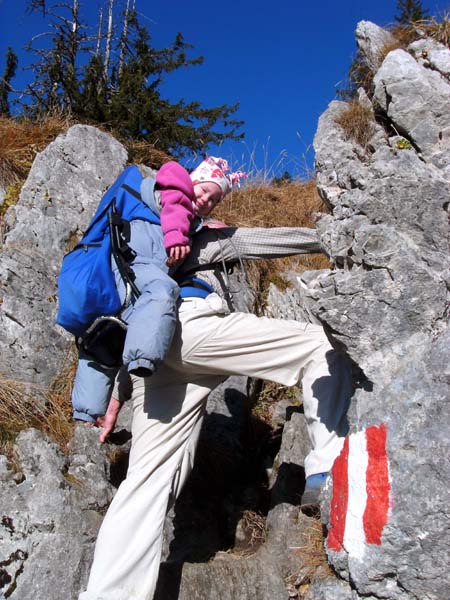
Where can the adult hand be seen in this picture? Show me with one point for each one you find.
(214, 224)
(108, 422)
(178, 253)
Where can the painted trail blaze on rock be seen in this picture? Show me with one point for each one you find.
(361, 490)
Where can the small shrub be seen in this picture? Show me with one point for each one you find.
(403, 144)
(269, 394)
(253, 525)
(358, 123)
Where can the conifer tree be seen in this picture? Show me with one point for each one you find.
(410, 11)
(115, 77)
(55, 85)
(8, 74)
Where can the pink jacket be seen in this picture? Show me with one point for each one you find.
(177, 211)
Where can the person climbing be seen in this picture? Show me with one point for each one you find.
(181, 199)
(211, 343)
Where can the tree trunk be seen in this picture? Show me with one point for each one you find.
(99, 32)
(123, 40)
(108, 40)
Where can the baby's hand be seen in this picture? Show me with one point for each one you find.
(177, 253)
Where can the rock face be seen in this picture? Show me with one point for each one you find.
(387, 302)
(57, 201)
(51, 511)
(415, 100)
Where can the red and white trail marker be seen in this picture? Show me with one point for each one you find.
(361, 492)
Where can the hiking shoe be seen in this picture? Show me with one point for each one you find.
(313, 487)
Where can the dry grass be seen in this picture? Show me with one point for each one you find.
(436, 27)
(253, 525)
(291, 204)
(313, 560)
(394, 45)
(142, 152)
(48, 410)
(22, 140)
(269, 394)
(358, 123)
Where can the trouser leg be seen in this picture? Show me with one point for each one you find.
(327, 389)
(166, 422)
(282, 351)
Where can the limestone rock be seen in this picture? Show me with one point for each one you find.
(50, 516)
(431, 54)
(56, 203)
(239, 577)
(329, 588)
(416, 100)
(387, 301)
(291, 303)
(372, 40)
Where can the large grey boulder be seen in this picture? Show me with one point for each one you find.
(51, 507)
(387, 301)
(56, 203)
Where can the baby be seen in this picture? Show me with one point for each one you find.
(151, 317)
(184, 195)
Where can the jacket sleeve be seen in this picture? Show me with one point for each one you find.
(177, 211)
(91, 389)
(151, 320)
(152, 316)
(230, 244)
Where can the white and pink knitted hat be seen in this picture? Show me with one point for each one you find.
(215, 170)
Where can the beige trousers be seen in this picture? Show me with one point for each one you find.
(168, 411)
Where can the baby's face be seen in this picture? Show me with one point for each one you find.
(207, 195)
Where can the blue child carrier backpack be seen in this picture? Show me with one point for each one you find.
(86, 283)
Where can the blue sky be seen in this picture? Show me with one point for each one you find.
(281, 60)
